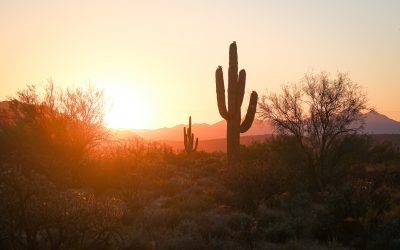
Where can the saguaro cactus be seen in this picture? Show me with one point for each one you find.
(232, 114)
(188, 138)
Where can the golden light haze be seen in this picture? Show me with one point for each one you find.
(156, 59)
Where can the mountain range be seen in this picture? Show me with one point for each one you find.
(375, 123)
(212, 136)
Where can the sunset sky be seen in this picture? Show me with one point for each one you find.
(156, 59)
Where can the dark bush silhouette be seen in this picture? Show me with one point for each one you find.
(317, 112)
(61, 188)
(35, 215)
(53, 129)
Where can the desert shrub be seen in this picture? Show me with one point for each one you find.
(199, 164)
(386, 235)
(34, 214)
(274, 225)
(288, 217)
(317, 112)
(25, 197)
(298, 244)
(284, 160)
(206, 166)
(340, 209)
(161, 218)
(302, 213)
(288, 162)
(215, 224)
(58, 127)
(112, 164)
(250, 185)
(136, 240)
(244, 227)
(225, 229)
(353, 212)
(383, 153)
(185, 236)
(256, 151)
(267, 216)
(192, 200)
(349, 154)
(279, 232)
(278, 169)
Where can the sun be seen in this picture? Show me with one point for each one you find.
(128, 108)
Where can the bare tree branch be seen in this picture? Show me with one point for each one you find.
(316, 111)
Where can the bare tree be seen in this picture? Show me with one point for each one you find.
(317, 112)
(80, 110)
(54, 126)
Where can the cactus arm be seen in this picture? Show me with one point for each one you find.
(219, 81)
(251, 111)
(197, 143)
(232, 79)
(188, 138)
(185, 138)
(241, 86)
(189, 130)
(191, 142)
(189, 133)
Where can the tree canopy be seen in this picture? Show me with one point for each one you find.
(317, 111)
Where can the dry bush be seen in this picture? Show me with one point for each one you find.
(35, 215)
(317, 112)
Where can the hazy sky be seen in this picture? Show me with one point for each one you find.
(157, 59)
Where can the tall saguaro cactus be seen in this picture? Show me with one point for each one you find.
(188, 138)
(232, 114)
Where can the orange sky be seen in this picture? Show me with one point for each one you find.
(156, 59)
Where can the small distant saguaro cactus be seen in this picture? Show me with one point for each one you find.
(188, 138)
(232, 114)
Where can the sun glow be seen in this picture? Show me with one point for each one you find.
(128, 109)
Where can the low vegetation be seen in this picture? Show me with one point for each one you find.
(62, 188)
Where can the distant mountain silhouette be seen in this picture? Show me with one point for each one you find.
(203, 131)
(375, 123)
(213, 145)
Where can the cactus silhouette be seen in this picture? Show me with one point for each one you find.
(188, 138)
(232, 114)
